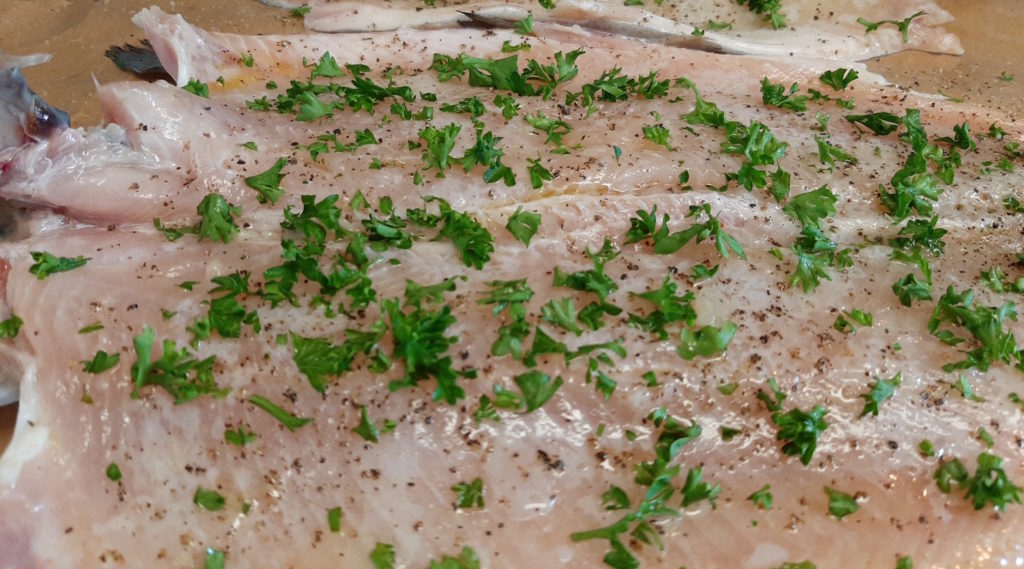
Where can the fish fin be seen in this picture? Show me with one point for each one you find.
(138, 59)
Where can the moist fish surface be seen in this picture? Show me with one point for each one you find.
(312, 324)
(806, 28)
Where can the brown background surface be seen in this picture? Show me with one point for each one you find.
(77, 32)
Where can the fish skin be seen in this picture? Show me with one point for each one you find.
(815, 28)
(24, 116)
(789, 332)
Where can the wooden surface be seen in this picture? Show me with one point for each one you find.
(77, 33)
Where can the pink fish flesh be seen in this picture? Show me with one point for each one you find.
(543, 472)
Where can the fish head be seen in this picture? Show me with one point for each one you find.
(25, 116)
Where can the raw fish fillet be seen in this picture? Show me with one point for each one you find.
(814, 28)
(163, 149)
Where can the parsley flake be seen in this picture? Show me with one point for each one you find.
(658, 134)
(902, 25)
(10, 327)
(880, 390)
(840, 504)
(469, 495)
(776, 95)
(707, 341)
(383, 556)
(762, 498)
(47, 264)
(177, 371)
(800, 431)
(114, 472)
(839, 79)
(239, 437)
(291, 422)
(988, 485)
(101, 362)
(366, 429)
(268, 183)
(334, 519)
(209, 500)
(197, 87)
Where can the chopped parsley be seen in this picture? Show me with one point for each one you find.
(658, 477)
(197, 87)
(239, 437)
(926, 448)
(670, 307)
(367, 429)
(847, 320)
(114, 472)
(179, 373)
(94, 327)
(829, 153)
(705, 342)
(840, 504)
(658, 134)
(555, 129)
(439, 145)
(523, 225)
(537, 388)
(469, 495)
(762, 498)
(839, 79)
(511, 295)
(696, 490)
(538, 173)
(47, 264)
(216, 221)
(474, 242)
(562, 313)
(101, 362)
(880, 390)
(902, 25)
(209, 500)
(467, 559)
(509, 47)
(988, 485)
(10, 327)
(291, 422)
(535, 80)
(984, 323)
(383, 556)
(319, 358)
(881, 123)
(524, 27)
(214, 559)
(645, 226)
(797, 428)
(268, 184)
(334, 519)
(776, 96)
(769, 9)
(594, 280)
(420, 340)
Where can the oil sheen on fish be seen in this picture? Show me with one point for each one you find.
(569, 340)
